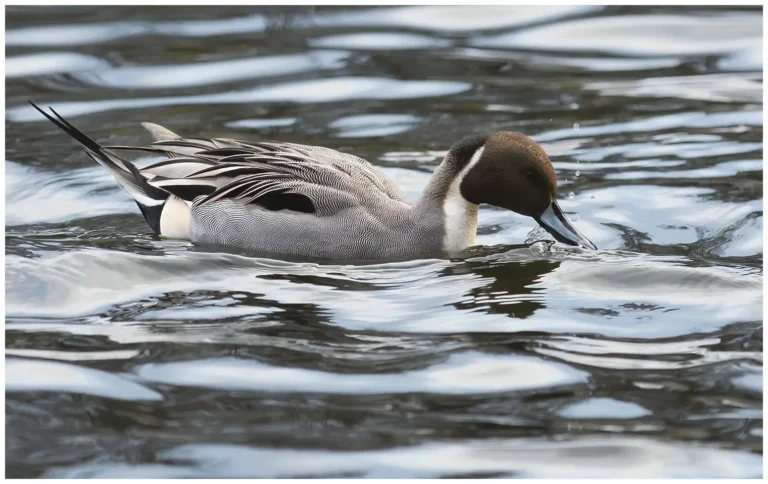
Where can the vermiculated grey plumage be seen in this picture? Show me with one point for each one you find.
(358, 212)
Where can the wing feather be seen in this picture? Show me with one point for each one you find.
(274, 175)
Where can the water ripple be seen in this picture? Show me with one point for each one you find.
(23, 375)
(468, 373)
(522, 458)
(46, 63)
(641, 35)
(313, 91)
(215, 72)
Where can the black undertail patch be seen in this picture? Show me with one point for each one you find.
(152, 215)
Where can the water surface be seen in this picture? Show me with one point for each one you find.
(132, 356)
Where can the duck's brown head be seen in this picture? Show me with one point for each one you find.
(512, 171)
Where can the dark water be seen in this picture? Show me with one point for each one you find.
(128, 355)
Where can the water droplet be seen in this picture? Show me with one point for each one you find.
(537, 234)
(576, 126)
(571, 195)
(578, 173)
(592, 197)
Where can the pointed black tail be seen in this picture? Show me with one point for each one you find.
(149, 199)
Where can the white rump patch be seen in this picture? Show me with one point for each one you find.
(460, 215)
(175, 219)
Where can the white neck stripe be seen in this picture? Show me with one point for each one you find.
(460, 215)
(472, 162)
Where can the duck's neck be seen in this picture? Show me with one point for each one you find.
(442, 195)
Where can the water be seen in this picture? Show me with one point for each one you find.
(132, 356)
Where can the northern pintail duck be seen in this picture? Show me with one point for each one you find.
(312, 201)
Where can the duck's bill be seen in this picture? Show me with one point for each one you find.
(554, 221)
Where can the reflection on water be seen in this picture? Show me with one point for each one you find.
(132, 356)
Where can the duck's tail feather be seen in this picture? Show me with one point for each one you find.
(149, 199)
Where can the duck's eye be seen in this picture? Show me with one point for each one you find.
(529, 174)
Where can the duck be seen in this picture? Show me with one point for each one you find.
(316, 202)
